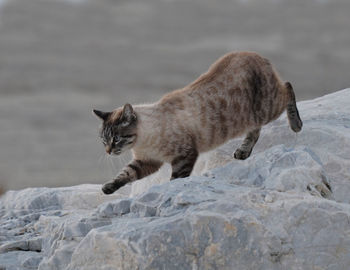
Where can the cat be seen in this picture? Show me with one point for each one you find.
(239, 94)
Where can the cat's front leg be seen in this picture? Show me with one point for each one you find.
(183, 164)
(135, 170)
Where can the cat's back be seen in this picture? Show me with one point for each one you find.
(232, 68)
(228, 82)
(229, 71)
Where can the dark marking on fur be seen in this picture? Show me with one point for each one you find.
(203, 115)
(213, 90)
(223, 126)
(136, 167)
(221, 85)
(223, 104)
(237, 108)
(212, 134)
(211, 105)
(256, 85)
(182, 165)
(270, 108)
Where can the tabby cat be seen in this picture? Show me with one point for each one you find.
(239, 94)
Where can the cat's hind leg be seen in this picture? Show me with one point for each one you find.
(246, 148)
(295, 122)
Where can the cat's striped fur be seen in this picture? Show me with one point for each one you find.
(238, 94)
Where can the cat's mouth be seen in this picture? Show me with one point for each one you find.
(117, 152)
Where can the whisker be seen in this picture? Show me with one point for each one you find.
(124, 159)
(100, 159)
(114, 165)
(110, 164)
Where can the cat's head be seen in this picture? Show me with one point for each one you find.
(118, 131)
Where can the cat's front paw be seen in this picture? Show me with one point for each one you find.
(241, 154)
(111, 187)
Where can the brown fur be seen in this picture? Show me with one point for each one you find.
(238, 94)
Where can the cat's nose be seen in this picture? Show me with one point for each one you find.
(108, 149)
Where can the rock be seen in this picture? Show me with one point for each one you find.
(285, 207)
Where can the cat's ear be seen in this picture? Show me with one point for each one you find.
(101, 115)
(128, 116)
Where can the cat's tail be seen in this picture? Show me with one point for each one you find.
(295, 122)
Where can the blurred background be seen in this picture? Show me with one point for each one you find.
(60, 58)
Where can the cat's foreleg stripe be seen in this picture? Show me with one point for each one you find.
(182, 165)
(137, 169)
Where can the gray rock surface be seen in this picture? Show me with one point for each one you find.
(286, 207)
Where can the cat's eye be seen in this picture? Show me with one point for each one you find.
(116, 139)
